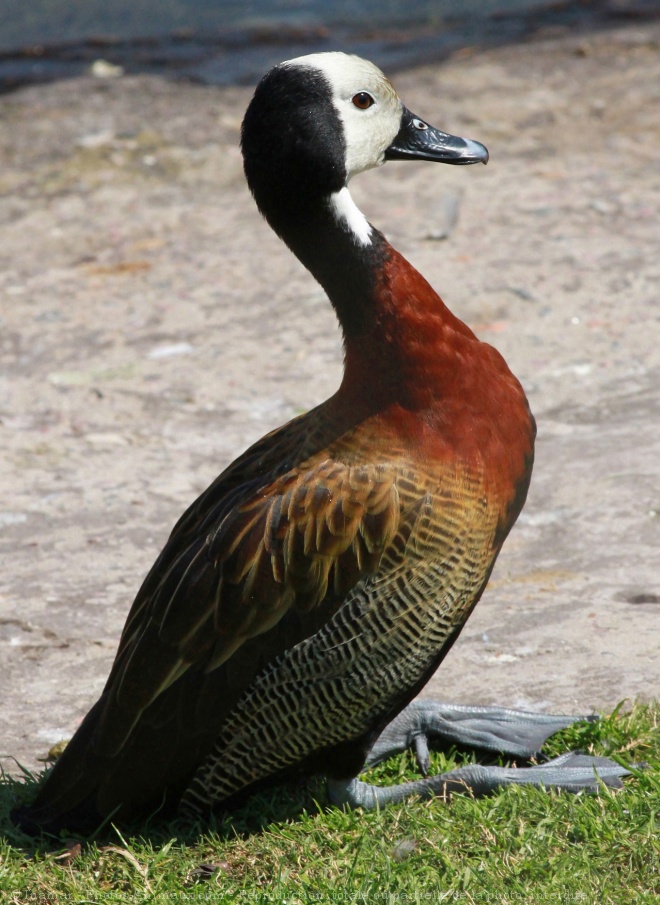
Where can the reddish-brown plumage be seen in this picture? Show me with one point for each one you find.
(432, 385)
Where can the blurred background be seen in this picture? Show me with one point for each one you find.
(152, 326)
(227, 42)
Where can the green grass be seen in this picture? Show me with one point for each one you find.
(519, 846)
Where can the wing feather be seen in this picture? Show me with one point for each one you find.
(298, 543)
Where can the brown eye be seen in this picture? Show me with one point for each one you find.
(363, 101)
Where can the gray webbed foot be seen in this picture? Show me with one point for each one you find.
(570, 772)
(516, 733)
(510, 732)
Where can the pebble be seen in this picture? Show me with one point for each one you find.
(96, 139)
(106, 439)
(404, 849)
(522, 293)
(12, 518)
(170, 351)
(449, 206)
(101, 69)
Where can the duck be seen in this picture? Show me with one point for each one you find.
(304, 600)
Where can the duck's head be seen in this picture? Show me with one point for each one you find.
(316, 121)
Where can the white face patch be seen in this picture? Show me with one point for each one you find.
(347, 213)
(367, 132)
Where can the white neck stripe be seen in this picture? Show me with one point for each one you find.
(347, 213)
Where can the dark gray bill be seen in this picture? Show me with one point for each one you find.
(419, 141)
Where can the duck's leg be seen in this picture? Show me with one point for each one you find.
(511, 732)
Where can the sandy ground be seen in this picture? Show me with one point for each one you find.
(151, 327)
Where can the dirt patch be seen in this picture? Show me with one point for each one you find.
(151, 326)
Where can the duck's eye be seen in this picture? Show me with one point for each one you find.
(419, 124)
(363, 100)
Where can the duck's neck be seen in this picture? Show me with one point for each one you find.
(400, 339)
(333, 240)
